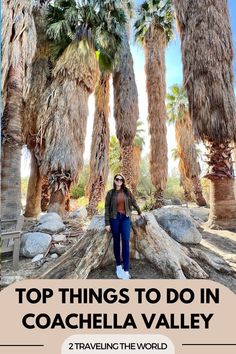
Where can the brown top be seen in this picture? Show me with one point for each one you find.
(120, 202)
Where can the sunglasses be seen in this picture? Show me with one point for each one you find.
(119, 179)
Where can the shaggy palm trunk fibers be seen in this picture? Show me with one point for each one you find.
(136, 167)
(99, 160)
(158, 199)
(222, 187)
(126, 110)
(127, 163)
(11, 181)
(154, 45)
(197, 189)
(188, 165)
(95, 196)
(33, 199)
(45, 194)
(12, 145)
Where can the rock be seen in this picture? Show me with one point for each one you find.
(176, 201)
(80, 213)
(167, 202)
(97, 223)
(49, 217)
(59, 238)
(54, 256)
(34, 243)
(51, 227)
(7, 280)
(178, 223)
(37, 258)
(200, 213)
(183, 210)
(59, 249)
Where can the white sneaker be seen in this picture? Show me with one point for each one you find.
(119, 272)
(126, 275)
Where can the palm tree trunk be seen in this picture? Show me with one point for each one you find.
(12, 145)
(33, 199)
(234, 157)
(45, 194)
(136, 167)
(57, 203)
(60, 183)
(64, 120)
(40, 81)
(126, 109)
(197, 190)
(222, 186)
(99, 159)
(187, 153)
(155, 44)
(11, 181)
(185, 182)
(223, 206)
(127, 164)
(211, 96)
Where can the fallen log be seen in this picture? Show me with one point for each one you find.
(149, 240)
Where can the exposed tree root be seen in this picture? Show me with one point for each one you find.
(86, 255)
(213, 260)
(171, 258)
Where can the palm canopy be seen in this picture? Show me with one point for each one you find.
(177, 103)
(99, 23)
(156, 12)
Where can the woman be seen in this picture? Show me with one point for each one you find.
(118, 204)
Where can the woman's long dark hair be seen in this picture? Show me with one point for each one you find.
(123, 186)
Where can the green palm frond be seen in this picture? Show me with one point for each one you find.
(154, 11)
(61, 21)
(174, 154)
(110, 31)
(100, 23)
(177, 103)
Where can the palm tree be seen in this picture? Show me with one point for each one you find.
(207, 53)
(153, 30)
(185, 182)
(40, 81)
(18, 47)
(178, 113)
(126, 109)
(63, 118)
(108, 42)
(99, 156)
(138, 145)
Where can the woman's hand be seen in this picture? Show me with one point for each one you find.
(108, 228)
(142, 215)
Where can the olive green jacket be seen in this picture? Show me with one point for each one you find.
(110, 205)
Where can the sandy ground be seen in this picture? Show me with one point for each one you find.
(219, 242)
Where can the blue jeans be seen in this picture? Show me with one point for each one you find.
(121, 226)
